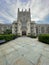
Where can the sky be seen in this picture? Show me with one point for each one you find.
(39, 10)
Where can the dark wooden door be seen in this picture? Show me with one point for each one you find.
(23, 32)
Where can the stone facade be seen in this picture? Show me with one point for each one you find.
(3, 27)
(42, 29)
(24, 26)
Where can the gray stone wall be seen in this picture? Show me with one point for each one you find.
(33, 28)
(42, 28)
(3, 27)
(24, 23)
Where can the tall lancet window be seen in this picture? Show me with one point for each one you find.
(24, 24)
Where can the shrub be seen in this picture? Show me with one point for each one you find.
(32, 36)
(8, 31)
(17, 35)
(44, 38)
(7, 37)
(1, 37)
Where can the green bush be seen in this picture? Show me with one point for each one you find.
(44, 38)
(8, 37)
(1, 37)
(17, 35)
(8, 31)
(32, 36)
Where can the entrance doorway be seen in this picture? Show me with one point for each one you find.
(24, 33)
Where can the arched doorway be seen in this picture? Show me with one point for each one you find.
(24, 33)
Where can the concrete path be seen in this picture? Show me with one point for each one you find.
(24, 51)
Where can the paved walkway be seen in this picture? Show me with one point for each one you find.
(24, 51)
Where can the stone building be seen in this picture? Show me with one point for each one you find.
(24, 26)
(42, 29)
(4, 27)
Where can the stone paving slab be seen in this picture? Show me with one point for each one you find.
(43, 61)
(23, 61)
(7, 50)
(12, 57)
(2, 60)
(24, 51)
(33, 57)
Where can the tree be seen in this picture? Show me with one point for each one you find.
(8, 31)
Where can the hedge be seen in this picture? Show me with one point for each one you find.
(8, 37)
(44, 38)
(32, 36)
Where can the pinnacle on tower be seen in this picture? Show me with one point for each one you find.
(22, 10)
(29, 9)
(18, 9)
(25, 10)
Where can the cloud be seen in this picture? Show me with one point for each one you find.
(39, 9)
(7, 1)
(6, 16)
(1, 21)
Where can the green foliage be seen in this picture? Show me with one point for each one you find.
(32, 36)
(8, 31)
(7, 37)
(17, 35)
(44, 38)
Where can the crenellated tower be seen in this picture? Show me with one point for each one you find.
(23, 25)
(24, 18)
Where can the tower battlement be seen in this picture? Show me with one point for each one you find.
(24, 10)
